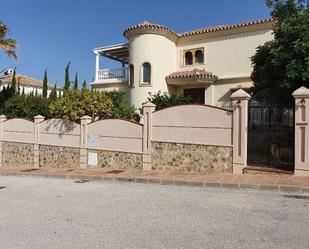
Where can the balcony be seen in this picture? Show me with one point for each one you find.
(115, 75)
(117, 52)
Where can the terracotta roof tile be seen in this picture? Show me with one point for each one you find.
(224, 27)
(195, 73)
(198, 31)
(149, 25)
(25, 81)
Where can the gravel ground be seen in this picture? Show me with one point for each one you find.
(38, 213)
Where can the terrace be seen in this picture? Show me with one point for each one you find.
(119, 53)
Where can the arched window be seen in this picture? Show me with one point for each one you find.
(146, 73)
(188, 58)
(131, 75)
(199, 56)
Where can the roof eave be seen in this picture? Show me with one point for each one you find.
(110, 47)
(189, 80)
(148, 30)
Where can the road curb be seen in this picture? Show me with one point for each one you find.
(147, 180)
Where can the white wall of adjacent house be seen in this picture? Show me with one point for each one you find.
(160, 52)
(28, 89)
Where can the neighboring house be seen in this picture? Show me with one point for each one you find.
(28, 84)
(207, 64)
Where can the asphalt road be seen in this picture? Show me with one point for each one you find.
(38, 213)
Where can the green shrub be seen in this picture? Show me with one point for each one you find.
(26, 107)
(97, 104)
(75, 104)
(163, 100)
(121, 107)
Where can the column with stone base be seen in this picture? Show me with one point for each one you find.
(240, 101)
(2, 119)
(148, 109)
(84, 121)
(301, 163)
(36, 148)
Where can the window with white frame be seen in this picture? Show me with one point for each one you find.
(146, 73)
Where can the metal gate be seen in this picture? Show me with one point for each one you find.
(271, 136)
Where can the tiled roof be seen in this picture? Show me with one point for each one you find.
(195, 73)
(25, 81)
(149, 25)
(153, 26)
(224, 27)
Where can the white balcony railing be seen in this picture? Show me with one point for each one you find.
(115, 74)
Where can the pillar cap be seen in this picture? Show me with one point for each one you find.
(149, 104)
(240, 94)
(85, 117)
(39, 117)
(302, 92)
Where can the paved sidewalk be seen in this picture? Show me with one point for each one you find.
(282, 182)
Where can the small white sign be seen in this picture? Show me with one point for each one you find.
(92, 158)
(93, 141)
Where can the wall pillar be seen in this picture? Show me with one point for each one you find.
(84, 121)
(148, 109)
(2, 119)
(301, 163)
(36, 149)
(97, 65)
(240, 101)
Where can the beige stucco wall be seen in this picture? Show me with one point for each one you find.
(59, 132)
(222, 89)
(18, 130)
(193, 124)
(115, 135)
(219, 93)
(160, 52)
(226, 56)
(204, 130)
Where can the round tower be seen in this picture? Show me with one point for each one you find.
(152, 56)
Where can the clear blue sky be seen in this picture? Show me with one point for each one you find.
(52, 32)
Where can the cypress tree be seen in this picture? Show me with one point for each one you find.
(67, 82)
(23, 92)
(2, 95)
(13, 83)
(76, 82)
(53, 93)
(18, 87)
(45, 84)
(36, 92)
(84, 85)
(4, 92)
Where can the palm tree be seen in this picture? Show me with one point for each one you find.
(6, 44)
